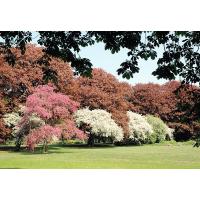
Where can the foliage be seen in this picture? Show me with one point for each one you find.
(182, 132)
(36, 121)
(196, 128)
(170, 102)
(4, 131)
(72, 142)
(188, 103)
(70, 131)
(44, 134)
(169, 134)
(12, 119)
(157, 100)
(139, 129)
(19, 81)
(51, 107)
(104, 91)
(180, 49)
(100, 122)
(160, 129)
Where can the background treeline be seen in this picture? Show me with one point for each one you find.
(177, 105)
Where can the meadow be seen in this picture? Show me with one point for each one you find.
(168, 155)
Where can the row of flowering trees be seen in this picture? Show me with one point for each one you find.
(178, 107)
(50, 116)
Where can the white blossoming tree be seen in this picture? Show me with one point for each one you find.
(98, 123)
(139, 129)
(13, 119)
(169, 134)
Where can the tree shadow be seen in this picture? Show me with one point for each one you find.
(10, 168)
(10, 148)
(25, 151)
(85, 146)
(54, 148)
(39, 151)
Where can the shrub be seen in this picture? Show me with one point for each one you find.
(71, 142)
(160, 129)
(196, 128)
(139, 129)
(100, 123)
(182, 132)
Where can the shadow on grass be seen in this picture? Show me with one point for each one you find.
(39, 150)
(54, 148)
(24, 150)
(10, 168)
(9, 148)
(85, 146)
(61, 148)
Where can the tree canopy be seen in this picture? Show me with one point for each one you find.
(181, 56)
(177, 105)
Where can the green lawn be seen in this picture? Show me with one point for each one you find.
(177, 155)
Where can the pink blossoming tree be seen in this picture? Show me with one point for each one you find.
(56, 110)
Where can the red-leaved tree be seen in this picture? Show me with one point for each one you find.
(18, 81)
(156, 99)
(104, 91)
(176, 104)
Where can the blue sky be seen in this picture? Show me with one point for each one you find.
(110, 62)
(104, 59)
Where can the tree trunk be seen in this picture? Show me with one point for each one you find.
(45, 147)
(91, 140)
(17, 146)
(62, 139)
(23, 131)
(18, 142)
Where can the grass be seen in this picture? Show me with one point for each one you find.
(157, 156)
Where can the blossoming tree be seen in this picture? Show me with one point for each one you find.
(104, 91)
(139, 129)
(16, 83)
(52, 108)
(98, 123)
